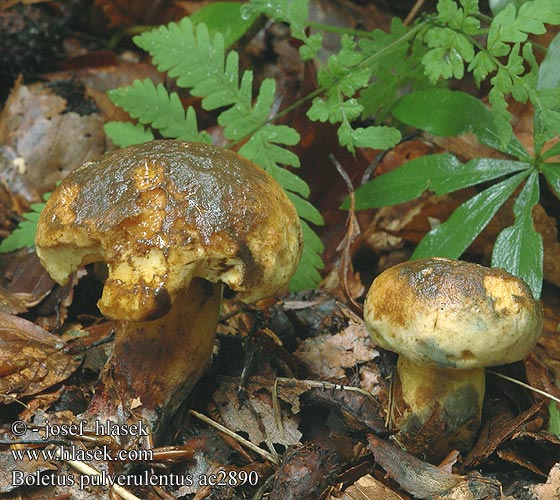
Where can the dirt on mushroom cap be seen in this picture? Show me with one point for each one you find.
(164, 212)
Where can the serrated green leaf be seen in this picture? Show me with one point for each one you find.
(435, 111)
(502, 116)
(24, 234)
(153, 105)
(319, 110)
(452, 238)
(441, 174)
(198, 61)
(307, 275)
(481, 66)
(547, 115)
(519, 248)
(126, 133)
(552, 173)
(498, 5)
(305, 209)
(224, 18)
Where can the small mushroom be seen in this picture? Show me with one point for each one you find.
(174, 222)
(447, 320)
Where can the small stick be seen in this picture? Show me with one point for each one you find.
(320, 384)
(88, 470)
(245, 442)
(522, 384)
(412, 14)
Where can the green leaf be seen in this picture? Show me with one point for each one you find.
(197, 59)
(551, 152)
(376, 137)
(24, 235)
(126, 133)
(549, 70)
(435, 111)
(551, 172)
(519, 248)
(498, 5)
(452, 238)
(441, 174)
(307, 275)
(306, 210)
(153, 105)
(224, 18)
(554, 422)
(547, 114)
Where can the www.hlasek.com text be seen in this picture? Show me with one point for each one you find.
(72, 452)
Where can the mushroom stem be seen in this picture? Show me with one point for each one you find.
(155, 364)
(432, 395)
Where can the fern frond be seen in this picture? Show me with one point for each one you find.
(200, 63)
(153, 105)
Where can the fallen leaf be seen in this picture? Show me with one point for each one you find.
(8, 464)
(369, 488)
(31, 359)
(251, 411)
(306, 470)
(550, 490)
(496, 431)
(328, 356)
(44, 138)
(419, 478)
(23, 281)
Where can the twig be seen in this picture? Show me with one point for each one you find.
(352, 232)
(412, 14)
(244, 442)
(522, 384)
(321, 384)
(90, 471)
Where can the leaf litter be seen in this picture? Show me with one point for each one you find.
(316, 394)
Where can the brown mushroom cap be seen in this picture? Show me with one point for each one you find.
(452, 314)
(164, 212)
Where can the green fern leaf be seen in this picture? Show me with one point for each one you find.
(153, 105)
(126, 133)
(200, 64)
(24, 235)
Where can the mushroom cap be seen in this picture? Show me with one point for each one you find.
(164, 212)
(452, 314)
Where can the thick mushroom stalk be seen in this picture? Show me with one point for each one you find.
(174, 222)
(447, 320)
(154, 364)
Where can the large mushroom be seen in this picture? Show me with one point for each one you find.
(174, 222)
(447, 320)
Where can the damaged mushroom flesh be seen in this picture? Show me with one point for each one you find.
(174, 222)
(447, 320)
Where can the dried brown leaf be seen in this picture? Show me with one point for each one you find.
(306, 470)
(31, 359)
(328, 356)
(419, 478)
(8, 464)
(369, 488)
(495, 432)
(42, 140)
(23, 281)
(550, 490)
(251, 410)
